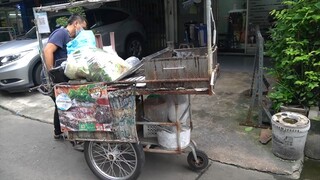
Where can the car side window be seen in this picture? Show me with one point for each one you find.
(92, 19)
(102, 17)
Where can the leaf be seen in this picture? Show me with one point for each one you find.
(290, 77)
(248, 129)
(318, 5)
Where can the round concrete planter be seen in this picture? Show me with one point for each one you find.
(312, 149)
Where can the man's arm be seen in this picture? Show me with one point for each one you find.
(48, 55)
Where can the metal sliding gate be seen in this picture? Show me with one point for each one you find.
(151, 13)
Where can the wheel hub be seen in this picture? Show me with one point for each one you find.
(112, 156)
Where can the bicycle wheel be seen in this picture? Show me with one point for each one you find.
(110, 161)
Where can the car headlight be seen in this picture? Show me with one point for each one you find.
(11, 58)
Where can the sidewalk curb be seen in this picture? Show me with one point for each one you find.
(204, 171)
(24, 116)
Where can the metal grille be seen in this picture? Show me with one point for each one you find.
(151, 14)
(259, 12)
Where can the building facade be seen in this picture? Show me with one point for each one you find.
(179, 21)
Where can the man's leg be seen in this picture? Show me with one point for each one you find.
(56, 121)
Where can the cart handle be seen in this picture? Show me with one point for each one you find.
(174, 68)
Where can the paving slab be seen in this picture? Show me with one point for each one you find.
(217, 130)
(32, 105)
(225, 172)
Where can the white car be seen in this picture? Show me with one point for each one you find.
(20, 63)
(130, 35)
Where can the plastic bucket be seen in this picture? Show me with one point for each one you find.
(168, 139)
(289, 134)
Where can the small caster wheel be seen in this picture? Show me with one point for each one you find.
(202, 163)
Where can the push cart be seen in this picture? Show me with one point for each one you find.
(108, 117)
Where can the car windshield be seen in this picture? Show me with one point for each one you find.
(31, 34)
(5, 36)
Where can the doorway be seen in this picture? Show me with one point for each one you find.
(190, 16)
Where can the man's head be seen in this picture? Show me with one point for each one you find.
(76, 23)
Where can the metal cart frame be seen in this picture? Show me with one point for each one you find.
(197, 159)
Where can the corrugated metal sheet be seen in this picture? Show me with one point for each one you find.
(259, 11)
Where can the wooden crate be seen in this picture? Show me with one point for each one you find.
(180, 68)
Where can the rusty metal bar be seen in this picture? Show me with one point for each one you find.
(101, 140)
(178, 126)
(256, 86)
(164, 151)
(190, 112)
(156, 123)
(159, 91)
(58, 7)
(112, 41)
(173, 80)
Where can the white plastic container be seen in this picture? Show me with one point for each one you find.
(289, 134)
(168, 140)
(177, 105)
(156, 109)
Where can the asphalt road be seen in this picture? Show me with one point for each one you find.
(28, 151)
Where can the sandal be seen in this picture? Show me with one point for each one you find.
(59, 136)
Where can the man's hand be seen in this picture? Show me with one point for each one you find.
(48, 55)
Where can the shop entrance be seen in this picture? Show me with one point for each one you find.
(191, 26)
(231, 25)
(11, 18)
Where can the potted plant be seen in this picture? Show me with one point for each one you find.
(63, 21)
(295, 48)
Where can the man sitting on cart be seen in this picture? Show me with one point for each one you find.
(55, 52)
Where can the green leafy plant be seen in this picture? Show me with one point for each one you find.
(295, 49)
(75, 10)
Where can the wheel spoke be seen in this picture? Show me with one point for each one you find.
(127, 162)
(103, 155)
(122, 163)
(100, 159)
(108, 171)
(112, 170)
(102, 164)
(128, 154)
(122, 169)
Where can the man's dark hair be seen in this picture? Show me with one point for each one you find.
(75, 17)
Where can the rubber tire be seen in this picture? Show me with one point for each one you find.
(140, 161)
(202, 156)
(36, 74)
(129, 42)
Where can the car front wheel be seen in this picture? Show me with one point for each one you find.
(134, 47)
(37, 74)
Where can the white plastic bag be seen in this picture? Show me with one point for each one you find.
(106, 66)
(76, 68)
(95, 64)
